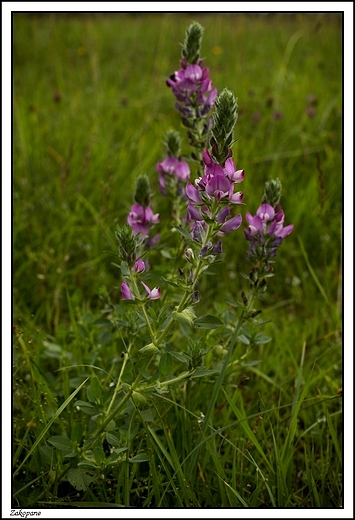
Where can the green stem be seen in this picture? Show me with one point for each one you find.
(125, 359)
(146, 318)
(219, 382)
(186, 295)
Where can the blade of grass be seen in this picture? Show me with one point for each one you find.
(49, 424)
(234, 492)
(313, 274)
(247, 429)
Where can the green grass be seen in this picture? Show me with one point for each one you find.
(90, 111)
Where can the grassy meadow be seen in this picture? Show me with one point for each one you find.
(90, 111)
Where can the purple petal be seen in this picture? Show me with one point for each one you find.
(223, 214)
(139, 266)
(193, 193)
(126, 292)
(218, 186)
(255, 223)
(214, 169)
(235, 198)
(194, 213)
(284, 232)
(265, 212)
(155, 294)
(193, 72)
(182, 171)
(206, 156)
(232, 224)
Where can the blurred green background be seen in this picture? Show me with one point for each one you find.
(91, 109)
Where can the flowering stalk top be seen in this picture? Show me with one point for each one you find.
(141, 217)
(266, 229)
(194, 91)
(224, 119)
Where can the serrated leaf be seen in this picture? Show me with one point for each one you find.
(208, 322)
(141, 457)
(79, 479)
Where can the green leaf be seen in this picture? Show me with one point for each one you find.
(261, 340)
(99, 454)
(243, 339)
(85, 407)
(49, 424)
(170, 282)
(94, 391)
(178, 356)
(166, 370)
(104, 337)
(142, 457)
(148, 414)
(112, 439)
(201, 372)
(208, 322)
(77, 432)
(61, 443)
(182, 231)
(79, 479)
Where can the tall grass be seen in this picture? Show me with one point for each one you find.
(90, 111)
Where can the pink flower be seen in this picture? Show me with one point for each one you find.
(126, 292)
(153, 294)
(141, 219)
(139, 266)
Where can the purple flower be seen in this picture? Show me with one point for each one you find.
(126, 292)
(153, 294)
(231, 172)
(266, 232)
(141, 219)
(223, 214)
(139, 266)
(194, 214)
(172, 166)
(232, 224)
(193, 194)
(218, 186)
(194, 91)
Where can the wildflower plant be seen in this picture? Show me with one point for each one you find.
(166, 342)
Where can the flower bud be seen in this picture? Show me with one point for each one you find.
(138, 399)
(189, 254)
(272, 192)
(224, 119)
(186, 316)
(142, 193)
(192, 45)
(149, 349)
(128, 242)
(172, 143)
